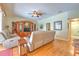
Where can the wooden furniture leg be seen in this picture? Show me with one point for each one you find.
(22, 48)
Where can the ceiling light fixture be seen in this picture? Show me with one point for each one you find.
(37, 13)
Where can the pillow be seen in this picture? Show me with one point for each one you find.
(4, 34)
(1, 38)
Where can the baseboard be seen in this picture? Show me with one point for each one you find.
(62, 39)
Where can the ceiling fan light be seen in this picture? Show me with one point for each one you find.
(36, 13)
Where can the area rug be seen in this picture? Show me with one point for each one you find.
(7, 52)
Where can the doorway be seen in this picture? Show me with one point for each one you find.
(73, 29)
(47, 26)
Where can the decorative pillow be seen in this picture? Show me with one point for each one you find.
(4, 34)
(1, 38)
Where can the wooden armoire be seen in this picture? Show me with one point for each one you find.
(23, 28)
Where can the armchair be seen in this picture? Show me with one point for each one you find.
(8, 42)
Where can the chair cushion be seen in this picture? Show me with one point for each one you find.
(12, 42)
(4, 34)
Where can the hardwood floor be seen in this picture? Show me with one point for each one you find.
(55, 48)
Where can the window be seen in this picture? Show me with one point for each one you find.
(0, 20)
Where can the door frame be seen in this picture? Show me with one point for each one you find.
(48, 26)
(69, 27)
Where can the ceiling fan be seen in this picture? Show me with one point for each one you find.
(36, 13)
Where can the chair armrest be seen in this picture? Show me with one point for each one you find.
(11, 42)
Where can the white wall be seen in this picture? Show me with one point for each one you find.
(74, 14)
(59, 17)
(12, 19)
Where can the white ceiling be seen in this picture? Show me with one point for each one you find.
(49, 9)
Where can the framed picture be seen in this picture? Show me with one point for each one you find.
(58, 25)
(41, 26)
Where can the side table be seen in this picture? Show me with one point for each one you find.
(22, 47)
